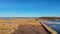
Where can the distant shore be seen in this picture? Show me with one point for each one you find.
(50, 18)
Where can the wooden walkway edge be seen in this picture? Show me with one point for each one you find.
(48, 28)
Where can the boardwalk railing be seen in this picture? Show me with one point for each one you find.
(49, 29)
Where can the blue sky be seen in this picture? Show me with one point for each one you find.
(29, 8)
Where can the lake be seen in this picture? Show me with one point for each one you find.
(55, 26)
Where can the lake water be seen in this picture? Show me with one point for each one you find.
(54, 26)
(54, 20)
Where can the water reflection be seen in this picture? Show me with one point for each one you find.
(54, 24)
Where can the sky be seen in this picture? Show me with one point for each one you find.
(29, 8)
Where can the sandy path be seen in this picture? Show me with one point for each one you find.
(30, 29)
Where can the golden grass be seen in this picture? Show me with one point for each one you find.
(8, 26)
